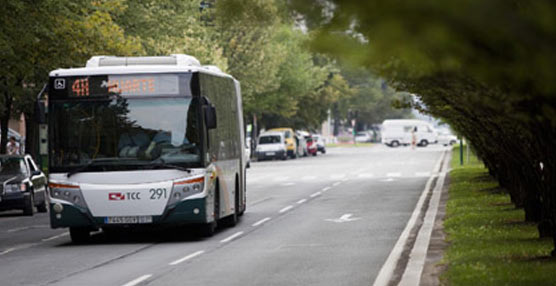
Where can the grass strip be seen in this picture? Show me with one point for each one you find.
(489, 242)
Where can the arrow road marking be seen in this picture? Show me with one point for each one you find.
(344, 218)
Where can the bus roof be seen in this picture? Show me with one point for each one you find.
(110, 65)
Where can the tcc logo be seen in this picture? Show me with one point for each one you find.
(116, 196)
(124, 196)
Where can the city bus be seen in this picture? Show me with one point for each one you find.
(140, 142)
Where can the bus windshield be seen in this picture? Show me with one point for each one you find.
(124, 133)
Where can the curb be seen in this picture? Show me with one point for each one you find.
(418, 251)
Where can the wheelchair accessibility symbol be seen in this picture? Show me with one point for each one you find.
(59, 83)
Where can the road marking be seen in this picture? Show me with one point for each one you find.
(344, 218)
(345, 180)
(309, 178)
(138, 280)
(316, 194)
(231, 237)
(336, 184)
(337, 176)
(388, 180)
(262, 221)
(18, 229)
(190, 256)
(387, 270)
(422, 174)
(393, 175)
(285, 209)
(8, 250)
(55, 237)
(326, 189)
(301, 201)
(288, 184)
(369, 175)
(282, 179)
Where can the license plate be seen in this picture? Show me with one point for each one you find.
(128, 219)
(270, 153)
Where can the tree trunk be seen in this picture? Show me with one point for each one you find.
(4, 121)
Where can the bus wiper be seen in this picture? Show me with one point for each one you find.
(159, 162)
(92, 162)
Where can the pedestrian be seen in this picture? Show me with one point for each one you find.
(12, 148)
(413, 137)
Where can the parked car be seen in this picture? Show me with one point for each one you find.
(445, 137)
(271, 145)
(311, 146)
(23, 184)
(321, 147)
(291, 142)
(363, 137)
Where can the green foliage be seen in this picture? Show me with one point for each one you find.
(488, 242)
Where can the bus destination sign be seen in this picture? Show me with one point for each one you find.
(124, 85)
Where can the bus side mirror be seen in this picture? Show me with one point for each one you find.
(40, 114)
(210, 116)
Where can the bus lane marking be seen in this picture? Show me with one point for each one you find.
(262, 221)
(188, 257)
(138, 280)
(231, 237)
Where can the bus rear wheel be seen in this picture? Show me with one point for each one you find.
(79, 235)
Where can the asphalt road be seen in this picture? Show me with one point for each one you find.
(326, 220)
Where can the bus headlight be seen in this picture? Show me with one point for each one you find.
(185, 188)
(69, 193)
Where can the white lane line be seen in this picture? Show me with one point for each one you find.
(190, 256)
(387, 270)
(309, 178)
(55, 237)
(326, 189)
(288, 184)
(368, 175)
(8, 250)
(138, 280)
(422, 174)
(282, 179)
(262, 221)
(301, 201)
(232, 237)
(316, 194)
(18, 229)
(285, 209)
(336, 184)
(393, 175)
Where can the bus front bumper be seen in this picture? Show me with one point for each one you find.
(191, 211)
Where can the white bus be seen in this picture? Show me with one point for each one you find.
(144, 142)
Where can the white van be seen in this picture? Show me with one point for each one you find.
(271, 145)
(396, 132)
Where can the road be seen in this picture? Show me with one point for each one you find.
(326, 220)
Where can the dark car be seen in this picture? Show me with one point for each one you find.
(22, 184)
